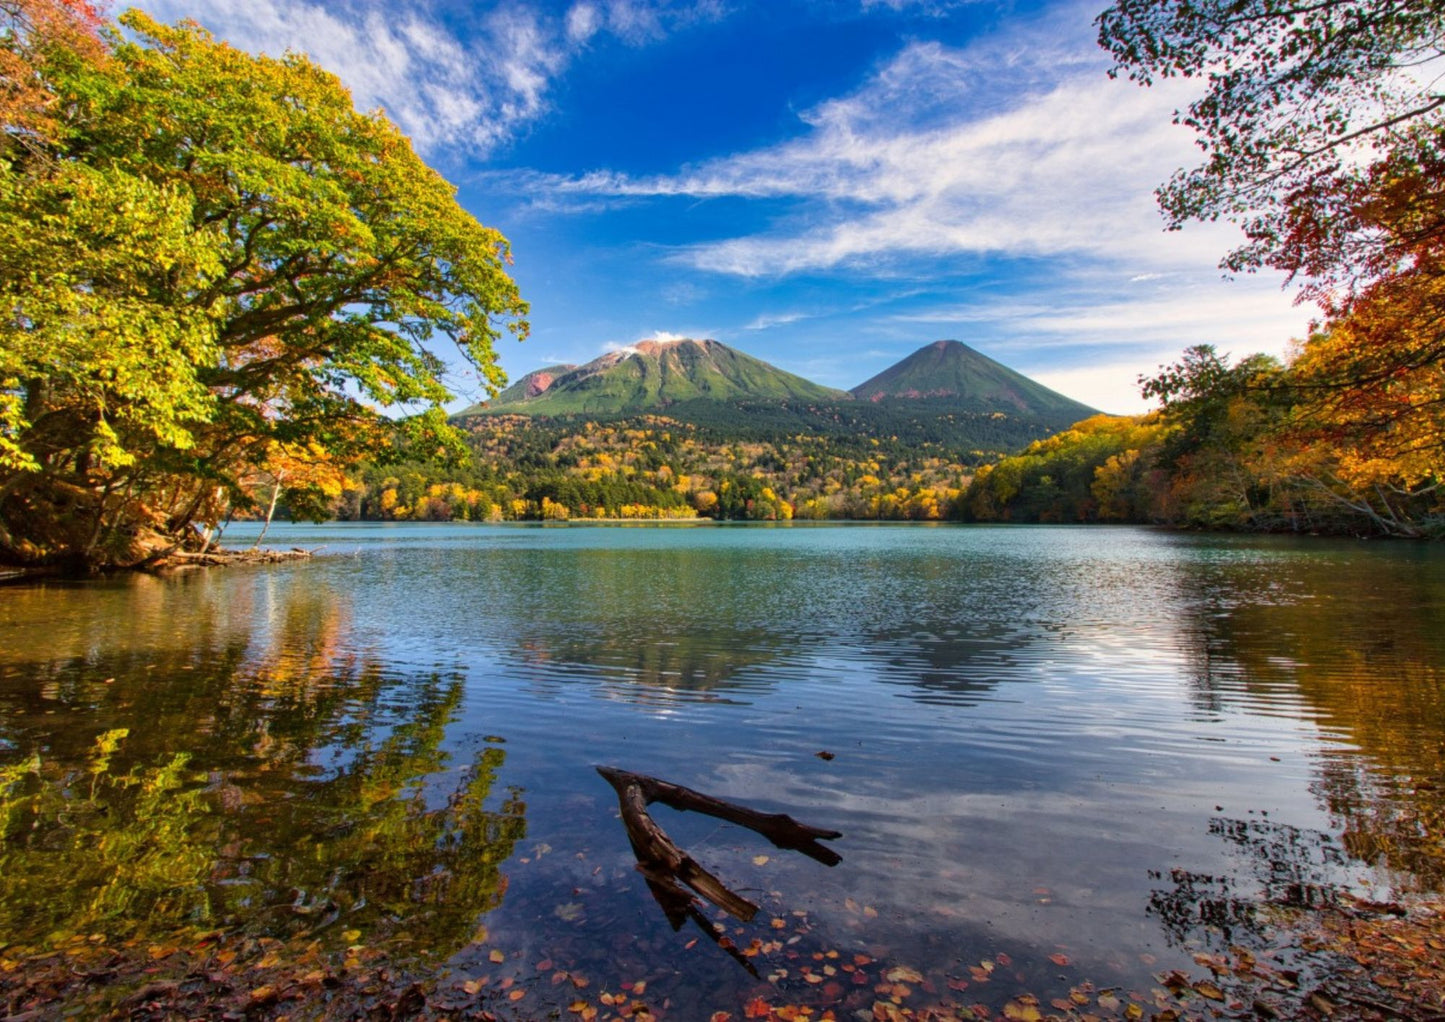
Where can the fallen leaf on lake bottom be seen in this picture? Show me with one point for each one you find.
(1021, 1011)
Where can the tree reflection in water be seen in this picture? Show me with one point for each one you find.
(270, 782)
(1279, 639)
(1286, 868)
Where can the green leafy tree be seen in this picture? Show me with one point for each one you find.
(222, 256)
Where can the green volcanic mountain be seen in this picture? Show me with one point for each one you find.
(951, 374)
(652, 376)
(945, 393)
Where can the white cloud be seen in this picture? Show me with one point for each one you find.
(584, 20)
(444, 91)
(767, 322)
(665, 336)
(1018, 145)
(1015, 151)
(930, 7)
(1241, 314)
(1111, 387)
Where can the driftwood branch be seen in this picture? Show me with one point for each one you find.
(679, 906)
(665, 864)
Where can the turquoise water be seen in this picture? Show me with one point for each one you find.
(1108, 744)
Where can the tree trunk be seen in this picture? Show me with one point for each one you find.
(270, 511)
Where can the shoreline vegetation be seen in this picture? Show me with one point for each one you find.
(1222, 460)
(220, 282)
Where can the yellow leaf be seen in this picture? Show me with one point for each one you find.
(903, 974)
(1209, 990)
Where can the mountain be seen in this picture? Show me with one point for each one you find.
(534, 384)
(652, 376)
(951, 374)
(943, 394)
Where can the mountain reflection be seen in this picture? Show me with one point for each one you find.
(652, 668)
(950, 666)
(270, 779)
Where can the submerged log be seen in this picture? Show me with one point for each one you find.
(217, 557)
(665, 864)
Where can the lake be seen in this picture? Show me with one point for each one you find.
(1056, 756)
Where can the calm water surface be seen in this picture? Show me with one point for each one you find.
(1110, 744)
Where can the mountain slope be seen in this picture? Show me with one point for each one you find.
(651, 376)
(951, 374)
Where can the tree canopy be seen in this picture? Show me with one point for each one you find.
(1312, 114)
(212, 261)
(1323, 129)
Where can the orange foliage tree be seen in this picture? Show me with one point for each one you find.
(31, 31)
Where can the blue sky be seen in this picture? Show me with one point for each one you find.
(825, 184)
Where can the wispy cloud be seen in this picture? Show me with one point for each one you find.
(768, 321)
(935, 8)
(1018, 145)
(651, 335)
(475, 92)
(1249, 317)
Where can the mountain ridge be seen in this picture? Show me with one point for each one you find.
(945, 392)
(652, 375)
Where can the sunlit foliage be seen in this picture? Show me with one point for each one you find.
(222, 260)
(654, 467)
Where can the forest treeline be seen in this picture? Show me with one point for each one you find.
(225, 291)
(1256, 445)
(1327, 147)
(1324, 141)
(652, 467)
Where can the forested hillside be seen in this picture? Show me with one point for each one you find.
(659, 467)
(1252, 446)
